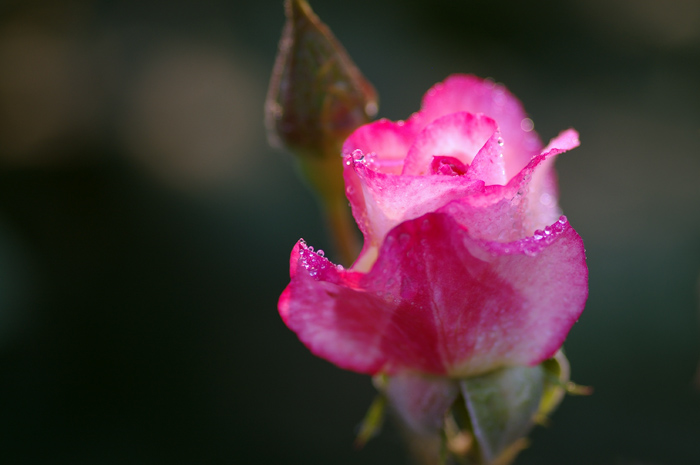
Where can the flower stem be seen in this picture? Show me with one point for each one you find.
(342, 229)
(325, 177)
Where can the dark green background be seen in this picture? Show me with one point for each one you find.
(145, 225)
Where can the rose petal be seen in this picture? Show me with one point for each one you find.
(514, 211)
(460, 135)
(448, 166)
(543, 192)
(381, 201)
(489, 164)
(313, 307)
(438, 301)
(475, 95)
(386, 141)
(566, 140)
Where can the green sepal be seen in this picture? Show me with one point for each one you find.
(557, 384)
(373, 421)
(502, 406)
(556, 378)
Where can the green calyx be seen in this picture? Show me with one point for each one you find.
(491, 416)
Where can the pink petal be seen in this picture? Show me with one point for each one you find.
(489, 164)
(387, 142)
(447, 166)
(313, 307)
(508, 213)
(543, 191)
(460, 135)
(438, 301)
(381, 201)
(566, 140)
(470, 93)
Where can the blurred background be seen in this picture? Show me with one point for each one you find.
(145, 224)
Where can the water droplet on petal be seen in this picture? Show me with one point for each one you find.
(320, 253)
(500, 141)
(548, 230)
(539, 234)
(357, 155)
(563, 219)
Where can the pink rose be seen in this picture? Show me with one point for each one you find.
(467, 266)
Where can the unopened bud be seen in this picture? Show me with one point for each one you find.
(317, 95)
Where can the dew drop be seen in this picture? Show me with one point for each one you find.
(320, 253)
(563, 219)
(500, 141)
(358, 156)
(539, 234)
(548, 230)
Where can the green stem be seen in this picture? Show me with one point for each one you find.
(342, 228)
(325, 176)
